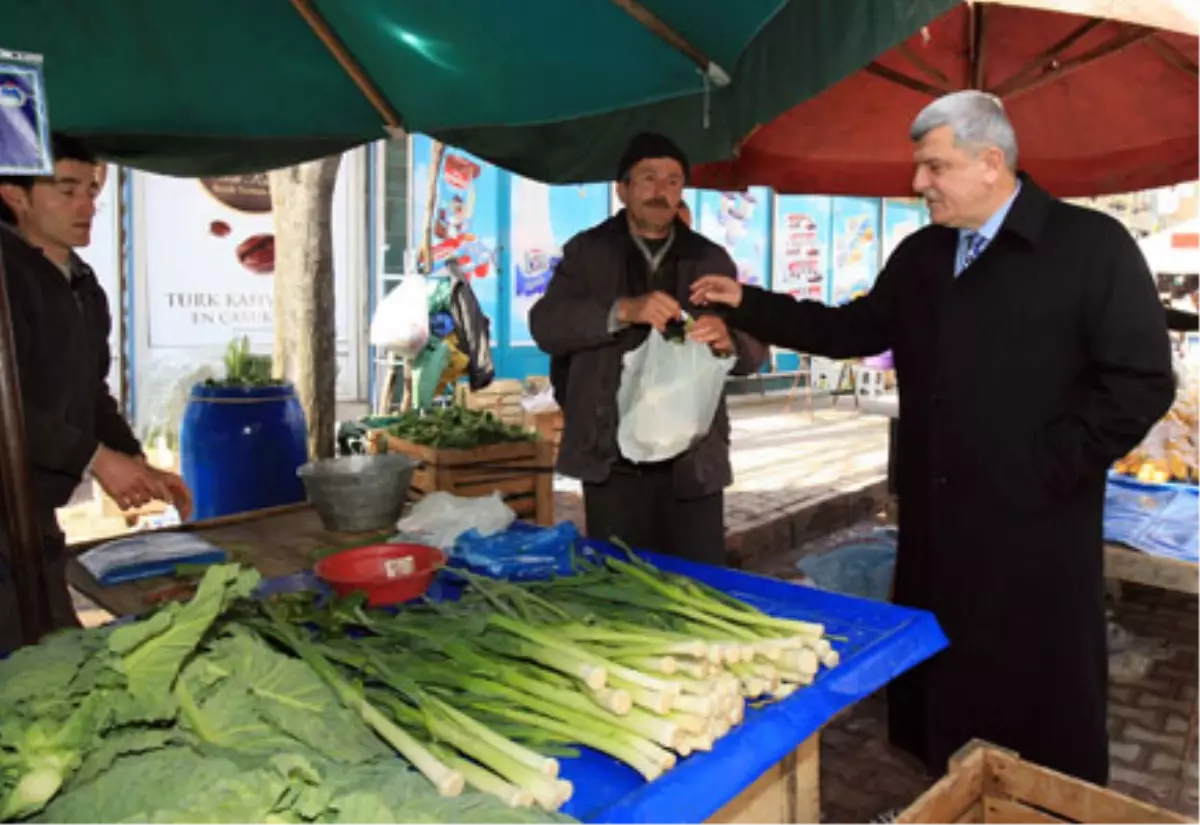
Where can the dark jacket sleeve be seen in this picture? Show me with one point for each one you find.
(751, 353)
(112, 430)
(860, 328)
(568, 318)
(51, 442)
(1132, 383)
(1180, 321)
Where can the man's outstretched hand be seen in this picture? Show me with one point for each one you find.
(654, 309)
(716, 289)
(132, 483)
(711, 330)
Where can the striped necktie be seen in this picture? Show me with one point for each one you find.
(976, 241)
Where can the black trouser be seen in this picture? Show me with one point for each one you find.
(62, 609)
(637, 504)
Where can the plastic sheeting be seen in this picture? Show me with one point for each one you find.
(522, 552)
(1158, 519)
(861, 568)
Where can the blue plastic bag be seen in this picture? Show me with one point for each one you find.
(147, 556)
(441, 324)
(523, 552)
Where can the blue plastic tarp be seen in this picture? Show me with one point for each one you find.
(882, 641)
(1158, 519)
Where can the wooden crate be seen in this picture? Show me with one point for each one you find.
(522, 473)
(548, 425)
(989, 784)
(790, 791)
(501, 398)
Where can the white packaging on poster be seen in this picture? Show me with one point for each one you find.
(668, 397)
(401, 322)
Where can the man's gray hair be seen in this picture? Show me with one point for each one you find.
(977, 120)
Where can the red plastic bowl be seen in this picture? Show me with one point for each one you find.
(386, 573)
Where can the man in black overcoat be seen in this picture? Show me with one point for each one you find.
(1031, 353)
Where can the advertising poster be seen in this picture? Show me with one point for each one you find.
(544, 218)
(901, 218)
(466, 225)
(210, 259)
(802, 236)
(24, 128)
(855, 248)
(740, 222)
(692, 198)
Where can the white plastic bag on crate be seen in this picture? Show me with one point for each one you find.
(440, 518)
(539, 402)
(401, 322)
(668, 396)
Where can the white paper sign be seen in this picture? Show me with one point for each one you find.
(210, 254)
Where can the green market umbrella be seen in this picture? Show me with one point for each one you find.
(551, 89)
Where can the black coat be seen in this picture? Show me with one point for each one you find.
(570, 323)
(61, 330)
(1021, 381)
(1179, 320)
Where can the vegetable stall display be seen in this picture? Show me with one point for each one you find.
(1170, 452)
(280, 709)
(471, 453)
(454, 427)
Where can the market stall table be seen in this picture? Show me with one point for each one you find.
(767, 770)
(1125, 564)
(1121, 563)
(279, 541)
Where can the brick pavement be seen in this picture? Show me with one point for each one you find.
(1152, 712)
(1152, 699)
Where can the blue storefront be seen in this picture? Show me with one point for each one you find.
(509, 231)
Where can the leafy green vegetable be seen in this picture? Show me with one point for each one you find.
(189, 715)
(245, 369)
(46, 669)
(153, 651)
(246, 696)
(456, 428)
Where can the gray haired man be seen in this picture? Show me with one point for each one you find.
(1031, 353)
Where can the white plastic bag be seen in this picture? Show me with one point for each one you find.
(540, 402)
(401, 322)
(668, 396)
(440, 518)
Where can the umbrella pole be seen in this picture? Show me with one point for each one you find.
(21, 525)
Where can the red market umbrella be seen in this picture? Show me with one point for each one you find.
(1102, 93)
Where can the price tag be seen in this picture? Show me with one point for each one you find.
(398, 568)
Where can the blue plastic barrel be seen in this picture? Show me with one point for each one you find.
(240, 448)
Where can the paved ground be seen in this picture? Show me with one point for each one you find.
(1152, 710)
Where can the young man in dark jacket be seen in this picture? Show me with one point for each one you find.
(61, 324)
(615, 282)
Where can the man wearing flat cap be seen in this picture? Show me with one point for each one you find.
(615, 283)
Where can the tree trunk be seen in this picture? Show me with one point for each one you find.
(305, 316)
